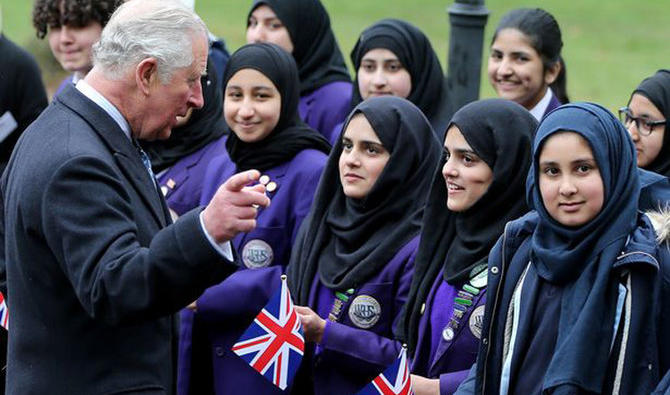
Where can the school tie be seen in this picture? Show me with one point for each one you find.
(146, 161)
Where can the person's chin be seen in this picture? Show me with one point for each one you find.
(642, 160)
(509, 94)
(353, 192)
(74, 66)
(161, 135)
(248, 136)
(69, 67)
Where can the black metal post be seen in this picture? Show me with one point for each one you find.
(466, 38)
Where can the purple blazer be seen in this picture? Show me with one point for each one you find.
(224, 313)
(236, 302)
(327, 106)
(553, 104)
(449, 360)
(360, 344)
(277, 225)
(335, 133)
(66, 82)
(182, 183)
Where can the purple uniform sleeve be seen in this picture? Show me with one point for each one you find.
(364, 344)
(244, 292)
(309, 181)
(449, 382)
(467, 387)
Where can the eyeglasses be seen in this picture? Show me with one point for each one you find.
(644, 126)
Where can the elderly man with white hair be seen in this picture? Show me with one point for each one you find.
(91, 266)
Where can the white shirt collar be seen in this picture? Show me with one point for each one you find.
(77, 76)
(90, 92)
(541, 106)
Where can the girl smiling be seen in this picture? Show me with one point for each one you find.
(578, 288)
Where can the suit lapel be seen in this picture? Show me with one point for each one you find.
(139, 178)
(125, 154)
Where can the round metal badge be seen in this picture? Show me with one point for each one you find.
(257, 254)
(476, 322)
(365, 311)
(479, 280)
(448, 333)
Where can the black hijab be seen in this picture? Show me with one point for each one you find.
(348, 240)
(657, 89)
(453, 244)
(315, 49)
(413, 49)
(205, 125)
(291, 135)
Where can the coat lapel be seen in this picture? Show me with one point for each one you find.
(126, 155)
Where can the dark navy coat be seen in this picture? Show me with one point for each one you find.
(93, 268)
(648, 359)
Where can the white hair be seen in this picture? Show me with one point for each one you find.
(141, 29)
(190, 4)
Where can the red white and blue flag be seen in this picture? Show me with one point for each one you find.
(274, 344)
(394, 381)
(4, 312)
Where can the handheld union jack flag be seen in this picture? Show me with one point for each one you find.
(394, 381)
(274, 344)
(4, 312)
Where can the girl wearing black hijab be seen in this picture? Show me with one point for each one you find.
(477, 190)
(646, 118)
(260, 106)
(393, 57)
(180, 162)
(302, 28)
(353, 259)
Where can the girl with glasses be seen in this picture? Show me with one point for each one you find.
(646, 117)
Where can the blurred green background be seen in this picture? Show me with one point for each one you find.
(609, 46)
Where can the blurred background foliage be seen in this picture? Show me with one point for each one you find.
(609, 46)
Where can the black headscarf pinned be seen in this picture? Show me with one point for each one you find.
(315, 49)
(657, 89)
(291, 135)
(345, 240)
(413, 49)
(205, 125)
(452, 244)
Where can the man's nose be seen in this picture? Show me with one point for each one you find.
(197, 100)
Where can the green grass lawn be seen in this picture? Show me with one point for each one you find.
(609, 46)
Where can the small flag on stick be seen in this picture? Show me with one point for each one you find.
(274, 343)
(395, 380)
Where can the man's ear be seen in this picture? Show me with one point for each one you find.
(146, 74)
